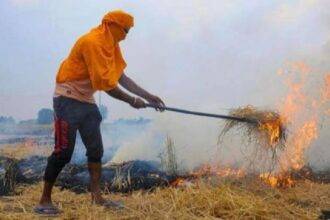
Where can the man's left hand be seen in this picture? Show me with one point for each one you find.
(155, 100)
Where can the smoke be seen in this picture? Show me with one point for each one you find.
(318, 154)
(145, 147)
(229, 60)
(195, 138)
(195, 141)
(201, 55)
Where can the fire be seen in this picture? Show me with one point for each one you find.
(326, 91)
(301, 140)
(304, 123)
(282, 180)
(273, 130)
(206, 171)
(179, 182)
(301, 111)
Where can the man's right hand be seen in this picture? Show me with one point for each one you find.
(137, 103)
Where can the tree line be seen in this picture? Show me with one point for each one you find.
(45, 116)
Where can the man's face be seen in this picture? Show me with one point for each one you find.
(122, 32)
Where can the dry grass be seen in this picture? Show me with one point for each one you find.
(208, 199)
(23, 150)
(228, 200)
(267, 131)
(265, 138)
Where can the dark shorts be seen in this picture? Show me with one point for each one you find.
(71, 116)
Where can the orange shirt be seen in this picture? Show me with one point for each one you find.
(94, 56)
(95, 61)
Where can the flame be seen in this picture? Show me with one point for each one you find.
(326, 90)
(282, 180)
(301, 110)
(273, 130)
(294, 110)
(206, 171)
(301, 140)
(179, 182)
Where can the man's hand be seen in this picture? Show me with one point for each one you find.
(131, 86)
(156, 101)
(137, 103)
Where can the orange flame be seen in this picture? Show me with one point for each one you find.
(300, 110)
(301, 140)
(273, 130)
(179, 182)
(281, 180)
(304, 129)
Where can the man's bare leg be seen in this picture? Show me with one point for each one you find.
(45, 205)
(46, 198)
(95, 170)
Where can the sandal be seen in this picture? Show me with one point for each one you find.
(46, 210)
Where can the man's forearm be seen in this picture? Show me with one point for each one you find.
(131, 86)
(119, 94)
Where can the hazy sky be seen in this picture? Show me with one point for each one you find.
(204, 55)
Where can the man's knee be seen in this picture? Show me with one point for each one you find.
(94, 155)
(94, 159)
(54, 166)
(60, 160)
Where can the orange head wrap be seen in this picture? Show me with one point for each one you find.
(119, 17)
(96, 56)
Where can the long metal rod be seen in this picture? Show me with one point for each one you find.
(204, 114)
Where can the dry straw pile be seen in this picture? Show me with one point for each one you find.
(266, 131)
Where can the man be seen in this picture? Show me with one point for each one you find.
(94, 63)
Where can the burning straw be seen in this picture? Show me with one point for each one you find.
(264, 129)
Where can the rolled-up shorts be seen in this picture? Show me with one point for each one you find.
(72, 115)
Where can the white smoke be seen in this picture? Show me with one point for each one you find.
(199, 55)
(195, 140)
(144, 147)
